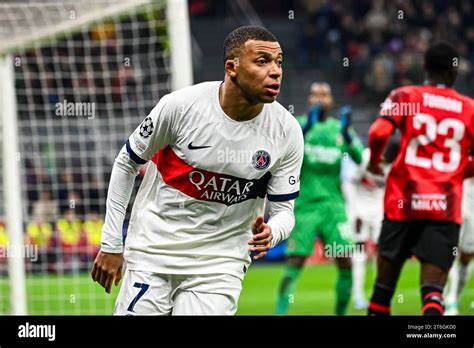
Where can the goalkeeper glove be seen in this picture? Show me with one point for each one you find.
(313, 117)
(345, 114)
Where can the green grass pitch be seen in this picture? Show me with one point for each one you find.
(78, 295)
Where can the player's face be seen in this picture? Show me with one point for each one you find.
(320, 93)
(259, 70)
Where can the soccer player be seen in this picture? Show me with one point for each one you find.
(461, 270)
(198, 213)
(321, 207)
(366, 213)
(365, 193)
(424, 187)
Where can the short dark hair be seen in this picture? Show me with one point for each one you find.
(237, 38)
(439, 57)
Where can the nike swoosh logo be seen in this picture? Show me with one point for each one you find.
(192, 147)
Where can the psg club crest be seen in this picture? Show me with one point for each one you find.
(146, 128)
(261, 160)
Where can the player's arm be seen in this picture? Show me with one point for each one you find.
(352, 144)
(383, 127)
(379, 135)
(282, 190)
(277, 229)
(355, 149)
(154, 133)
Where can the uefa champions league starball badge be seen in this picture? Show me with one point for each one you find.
(261, 160)
(146, 128)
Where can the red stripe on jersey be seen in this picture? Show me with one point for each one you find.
(206, 185)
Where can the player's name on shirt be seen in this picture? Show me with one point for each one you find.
(391, 108)
(442, 102)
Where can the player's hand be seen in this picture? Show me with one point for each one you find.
(313, 117)
(375, 169)
(262, 237)
(107, 269)
(346, 121)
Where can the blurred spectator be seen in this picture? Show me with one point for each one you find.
(64, 186)
(3, 246)
(45, 209)
(96, 196)
(40, 234)
(71, 242)
(384, 40)
(76, 204)
(376, 20)
(93, 230)
(3, 236)
(31, 184)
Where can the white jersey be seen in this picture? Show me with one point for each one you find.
(468, 199)
(206, 181)
(367, 191)
(466, 239)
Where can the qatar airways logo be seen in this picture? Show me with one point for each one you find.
(207, 185)
(221, 189)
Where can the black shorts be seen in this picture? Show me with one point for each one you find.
(430, 241)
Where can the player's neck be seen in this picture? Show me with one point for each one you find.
(436, 80)
(323, 116)
(235, 104)
(433, 83)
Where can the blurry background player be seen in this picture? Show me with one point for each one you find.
(424, 187)
(461, 270)
(321, 207)
(364, 192)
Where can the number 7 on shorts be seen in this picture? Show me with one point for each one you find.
(143, 288)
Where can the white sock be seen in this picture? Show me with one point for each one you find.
(464, 274)
(451, 293)
(358, 274)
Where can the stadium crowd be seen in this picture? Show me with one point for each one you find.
(383, 40)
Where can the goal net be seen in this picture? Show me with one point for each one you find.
(76, 77)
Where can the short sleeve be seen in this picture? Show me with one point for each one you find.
(155, 132)
(393, 108)
(284, 183)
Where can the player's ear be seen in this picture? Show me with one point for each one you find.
(231, 66)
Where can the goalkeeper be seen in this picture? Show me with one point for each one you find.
(320, 208)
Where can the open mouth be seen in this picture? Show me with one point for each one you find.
(274, 88)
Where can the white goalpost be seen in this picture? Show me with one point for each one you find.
(76, 78)
(11, 180)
